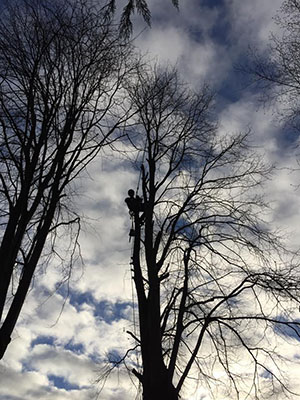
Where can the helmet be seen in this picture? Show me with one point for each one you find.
(131, 192)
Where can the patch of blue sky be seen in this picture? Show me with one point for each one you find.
(112, 311)
(233, 302)
(77, 348)
(221, 30)
(43, 340)
(26, 367)
(230, 90)
(266, 374)
(186, 229)
(50, 340)
(234, 84)
(61, 383)
(114, 357)
(291, 330)
(105, 309)
(287, 137)
(78, 299)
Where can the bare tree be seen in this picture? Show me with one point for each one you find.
(62, 68)
(213, 289)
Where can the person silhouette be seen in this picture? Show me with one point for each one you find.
(134, 203)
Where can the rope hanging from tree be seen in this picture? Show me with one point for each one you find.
(140, 174)
(135, 205)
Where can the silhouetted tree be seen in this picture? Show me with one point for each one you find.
(62, 67)
(212, 285)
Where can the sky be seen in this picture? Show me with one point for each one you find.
(65, 332)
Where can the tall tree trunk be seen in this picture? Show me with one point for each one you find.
(156, 381)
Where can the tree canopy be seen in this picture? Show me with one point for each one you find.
(62, 67)
(212, 280)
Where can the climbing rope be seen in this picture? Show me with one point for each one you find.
(140, 174)
(132, 234)
(133, 300)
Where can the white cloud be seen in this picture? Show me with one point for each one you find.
(76, 369)
(252, 22)
(197, 57)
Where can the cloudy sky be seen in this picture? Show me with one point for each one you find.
(60, 343)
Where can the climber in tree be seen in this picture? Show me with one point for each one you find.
(134, 203)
